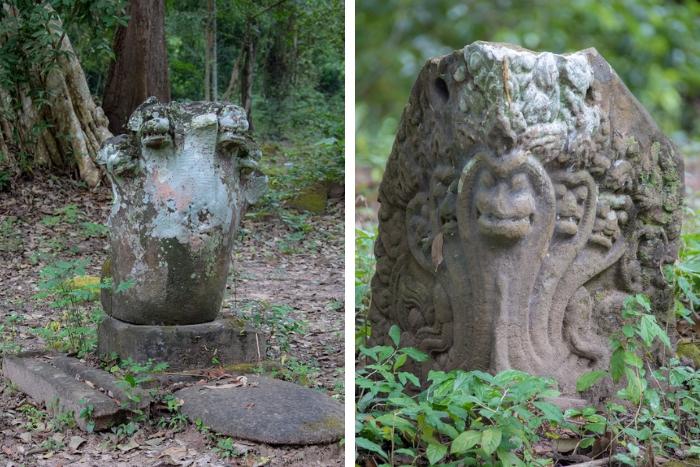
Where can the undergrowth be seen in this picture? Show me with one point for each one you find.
(474, 418)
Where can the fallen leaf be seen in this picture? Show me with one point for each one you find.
(175, 452)
(132, 444)
(250, 406)
(90, 383)
(254, 384)
(565, 444)
(160, 434)
(154, 441)
(75, 442)
(58, 437)
(26, 437)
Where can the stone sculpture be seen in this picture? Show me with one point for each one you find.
(182, 177)
(526, 196)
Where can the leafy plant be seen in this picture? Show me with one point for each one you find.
(87, 413)
(657, 421)
(364, 270)
(225, 448)
(463, 418)
(276, 320)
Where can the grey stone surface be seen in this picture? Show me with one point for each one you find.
(101, 379)
(182, 178)
(526, 196)
(273, 412)
(182, 347)
(37, 377)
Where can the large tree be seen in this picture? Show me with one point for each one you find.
(141, 66)
(47, 114)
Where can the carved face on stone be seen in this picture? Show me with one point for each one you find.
(528, 190)
(182, 178)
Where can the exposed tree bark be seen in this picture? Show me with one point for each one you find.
(247, 82)
(141, 67)
(67, 126)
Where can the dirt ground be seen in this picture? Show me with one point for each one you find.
(291, 262)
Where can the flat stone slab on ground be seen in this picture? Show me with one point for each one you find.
(271, 411)
(187, 347)
(47, 378)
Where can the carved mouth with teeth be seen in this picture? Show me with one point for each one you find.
(505, 207)
(154, 133)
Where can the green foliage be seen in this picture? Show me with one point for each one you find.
(225, 448)
(365, 263)
(87, 413)
(463, 418)
(654, 46)
(685, 273)
(666, 415)
(75, 331)
(275, 320)
(289, 171)
(32, 32)
(298, 88)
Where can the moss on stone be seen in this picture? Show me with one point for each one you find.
(313, 198)
(691, 351)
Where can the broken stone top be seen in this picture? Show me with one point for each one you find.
(542, 109)
(526, 196)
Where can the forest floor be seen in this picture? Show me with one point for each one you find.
(288, 273)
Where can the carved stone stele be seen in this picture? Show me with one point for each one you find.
(526, 196)
(182, 178)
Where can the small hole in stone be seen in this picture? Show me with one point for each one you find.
(441, 90)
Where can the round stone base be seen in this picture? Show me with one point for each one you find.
(227, 341)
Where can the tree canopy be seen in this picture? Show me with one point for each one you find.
(653, 45)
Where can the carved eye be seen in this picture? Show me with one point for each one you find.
(519, 182)
(488, 179)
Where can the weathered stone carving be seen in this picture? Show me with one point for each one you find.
(182, 178)
(526, 196)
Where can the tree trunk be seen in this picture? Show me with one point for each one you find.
(141, 66)
(214, 61)
(247, 82)
(66, 125)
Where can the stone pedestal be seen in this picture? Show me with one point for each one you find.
(183, 347)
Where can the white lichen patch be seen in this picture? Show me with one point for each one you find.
(536, 99)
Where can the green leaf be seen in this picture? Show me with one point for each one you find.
(370, 446)
(130, 379)
(395, 334)
(400, 360)
(465, 441)
(634, 386)
(617, 364)
(589, 379)
(644, 301)
(551, 411)
(633, 360)
(491, 439)
(415, 354)
(508, 458)
(435, 452)
(586, 442)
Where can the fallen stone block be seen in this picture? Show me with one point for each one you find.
(266, 410)
(37, 377)
(119, 389)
